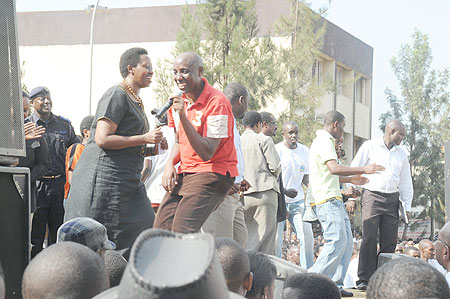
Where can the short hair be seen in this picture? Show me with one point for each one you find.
(251, 119)
(65, 270)
(86, 123)
(25, 95)
(410, 249)
(235, 262)
(130, 57)
(267, 117)
(310, 286)
(235, 90)
(115, 266)
(264, 272)
(400, 278)
(333, 116)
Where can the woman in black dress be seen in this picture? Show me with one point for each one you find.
(106, 183)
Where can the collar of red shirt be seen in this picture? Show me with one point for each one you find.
(201, 100)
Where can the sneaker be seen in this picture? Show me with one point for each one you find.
(345, 293)
(362, 286)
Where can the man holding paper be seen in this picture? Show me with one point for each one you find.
(382, 197)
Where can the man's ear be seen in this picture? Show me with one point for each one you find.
(241, 100)
(200, 71)
(248, 282)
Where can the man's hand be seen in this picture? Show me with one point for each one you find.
(358, 180)
(33, 132)
(291, 193)
(245, 185)
(178, 104)
(234, 189)
(169, 179)
(350, 206)
(351, 192)
(164, 145)
(373, 168)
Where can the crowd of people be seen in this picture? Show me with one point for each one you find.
(134, 208)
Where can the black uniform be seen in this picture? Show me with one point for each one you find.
(59, 135)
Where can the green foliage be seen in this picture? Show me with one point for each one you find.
(424, 109)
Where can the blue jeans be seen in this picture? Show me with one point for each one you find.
(336, 253)
(304, 233)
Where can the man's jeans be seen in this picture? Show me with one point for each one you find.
(336, 253)
(304, 233)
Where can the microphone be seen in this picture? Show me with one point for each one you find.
(166, 107)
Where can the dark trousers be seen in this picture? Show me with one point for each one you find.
(379, 215)
(50, 211)
(193, 199)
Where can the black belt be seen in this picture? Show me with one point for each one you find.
(51, 177)
(384, 194)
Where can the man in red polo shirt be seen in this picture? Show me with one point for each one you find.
(204, 144)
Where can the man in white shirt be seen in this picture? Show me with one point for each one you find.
(381, 197)
(228, 219)
(294, 170)
(427, 254)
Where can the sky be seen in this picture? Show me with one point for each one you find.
(383, 24)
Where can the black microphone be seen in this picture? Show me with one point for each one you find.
(166, 107)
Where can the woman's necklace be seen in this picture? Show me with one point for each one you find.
(138, 99)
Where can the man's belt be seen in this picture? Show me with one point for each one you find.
(383, 194)
(51, 177)
(326, 200)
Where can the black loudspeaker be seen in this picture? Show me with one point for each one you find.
(284, 270)
(383, 258)
(14, 226)
(12, 143)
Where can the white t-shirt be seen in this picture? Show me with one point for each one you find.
(294, 165)
(155, 190)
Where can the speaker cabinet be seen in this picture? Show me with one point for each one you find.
(12, 143)
(284, 270)
(14, 226)
(384, 258)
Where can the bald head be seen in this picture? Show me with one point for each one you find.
(394, 133)
(190, 58)
(426, 248)
(442, 247)
(394, 124)
(65, 270)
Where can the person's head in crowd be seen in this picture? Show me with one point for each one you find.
(407, 278)
(310, 286)
(400, 248)
(264, 273)
(86, 231)
(290, 134)
(252, 120)
(334, 123)
(2, 283)
(410, 242)
(85, 128)
(426, 248)
(115, 265)
(294, 239)
(238, 96)
(269, 124)
(42, 101)
(135, 65)
(235, 265)
(338, 147)
(412, 251)
(317, 250)
(442, 247)
(293, 254)
(187, 73)
(394, 132)
(26, 104)
(65, 270)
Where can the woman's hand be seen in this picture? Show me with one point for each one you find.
(154, 137)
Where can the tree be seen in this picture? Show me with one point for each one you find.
(226, 39)
(424, 109)
(305, 29)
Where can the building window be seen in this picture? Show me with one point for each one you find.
(317, 71)
(360, 90)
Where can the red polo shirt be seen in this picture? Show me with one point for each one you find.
(211, 116)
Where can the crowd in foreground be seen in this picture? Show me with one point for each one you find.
(243, 188)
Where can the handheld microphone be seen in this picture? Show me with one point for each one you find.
(166, 107)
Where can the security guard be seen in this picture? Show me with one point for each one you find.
(59, 135)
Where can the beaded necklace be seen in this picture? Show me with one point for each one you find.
(138, 98)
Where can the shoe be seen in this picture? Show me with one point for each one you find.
(345, 293)
(362, 286)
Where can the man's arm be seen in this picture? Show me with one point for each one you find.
(405, 185)
(343, 170)
(170, 175)
(272, 158)
(146, 170)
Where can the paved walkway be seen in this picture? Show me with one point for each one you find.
(357, 294)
